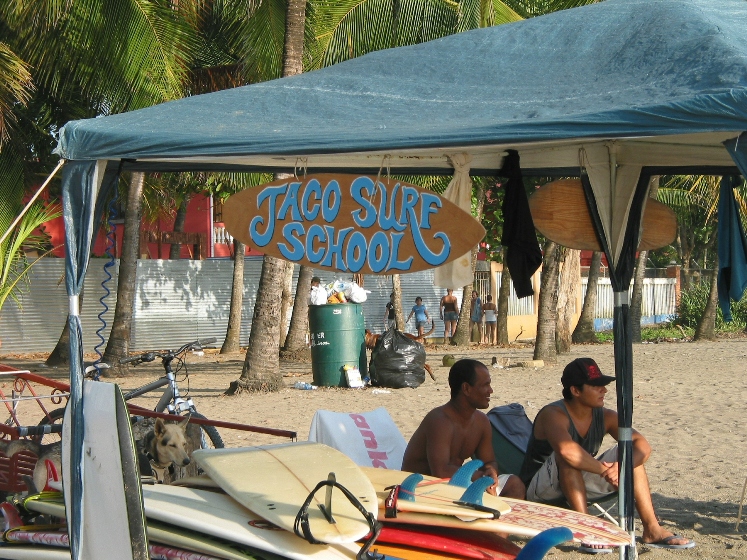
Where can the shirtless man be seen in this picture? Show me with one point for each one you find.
(562, 458)
(449, 314)
(457, 431)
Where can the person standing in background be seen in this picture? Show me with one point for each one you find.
(389, 316)
(421, 316)
(491, 320)
(475, 315)
(449, 314)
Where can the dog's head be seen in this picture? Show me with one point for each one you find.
(371, 339)
(170, 443)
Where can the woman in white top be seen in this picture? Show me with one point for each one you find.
(488, 311)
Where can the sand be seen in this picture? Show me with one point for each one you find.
(689, 403)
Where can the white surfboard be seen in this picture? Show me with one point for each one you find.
(171, 536)
(219, 515)
(113, 524)
(33, 552)
(275, 480)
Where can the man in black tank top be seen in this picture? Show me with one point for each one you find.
(562, 461)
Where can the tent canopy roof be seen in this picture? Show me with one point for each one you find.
(669, 77)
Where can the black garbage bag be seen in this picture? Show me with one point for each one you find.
(397, 361)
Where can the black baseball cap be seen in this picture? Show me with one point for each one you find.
(584, 371)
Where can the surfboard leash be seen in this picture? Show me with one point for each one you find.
(301, 524)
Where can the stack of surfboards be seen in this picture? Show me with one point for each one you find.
(247, 505)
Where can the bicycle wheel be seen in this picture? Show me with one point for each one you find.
(53, 417)
(209, 438)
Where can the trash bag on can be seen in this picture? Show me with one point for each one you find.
(397, 361)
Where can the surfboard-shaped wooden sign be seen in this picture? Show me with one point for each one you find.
(352, 223)
(560, 213)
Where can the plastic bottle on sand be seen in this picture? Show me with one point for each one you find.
(304, 386)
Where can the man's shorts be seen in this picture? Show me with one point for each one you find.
(451, 316)
(545, 486)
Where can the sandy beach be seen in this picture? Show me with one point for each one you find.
(689, 403)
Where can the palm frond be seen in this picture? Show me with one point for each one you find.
(15, 88)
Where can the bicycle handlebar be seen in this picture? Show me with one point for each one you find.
(150, 356)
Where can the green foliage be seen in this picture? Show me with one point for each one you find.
(692, 305)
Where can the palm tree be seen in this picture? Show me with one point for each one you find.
(584, 331)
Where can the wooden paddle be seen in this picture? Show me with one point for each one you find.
(560, 213)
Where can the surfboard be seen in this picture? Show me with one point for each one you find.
(525, 519)
(30, 552)
(274, 481)
(167, 534)
(560, 213)
(461, 543)
(437, 499)
(112, 527)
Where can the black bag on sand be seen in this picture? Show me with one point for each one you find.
(397, 361)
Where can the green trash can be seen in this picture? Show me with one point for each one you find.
(337, 339)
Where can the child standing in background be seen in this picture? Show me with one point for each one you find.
(421, 315)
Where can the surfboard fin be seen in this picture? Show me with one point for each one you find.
(407, 488)
(463, 477)
(474, 492)
(540, 544)
(327, 506)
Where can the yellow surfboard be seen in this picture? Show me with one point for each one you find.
(274, 481)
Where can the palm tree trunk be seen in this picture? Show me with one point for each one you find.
(462, 335)
(706, 329)
(584, 331)
(399, 316)
(181, 217)
(636, 300)
(504, 293)
(570, 279)
(286, 302)
(232, 343)
(544, 346)
(118, 345)
(261, 371)
(296, 338)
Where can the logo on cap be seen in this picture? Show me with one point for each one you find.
(593, 371)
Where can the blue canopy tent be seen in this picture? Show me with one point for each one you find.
(613, 92)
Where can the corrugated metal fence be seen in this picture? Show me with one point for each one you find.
(181, 300)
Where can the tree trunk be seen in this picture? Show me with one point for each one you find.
(118, 345)
(584, 331)
(544, 346)
(232, 343)
(296, 339)
(706, 329)
(463, 335)
(570, 279)
(636, 300)
(504, 293)
(261, 371)
(286, 302)
(399, 316)
(181, 217)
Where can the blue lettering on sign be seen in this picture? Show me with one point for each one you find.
(291, 202)
(296, 253)
(356, 191)
(401, 210)
(313, 187)
(378, 252)
(330, 211)
(315, 232)
(355, 253)
(271, 194)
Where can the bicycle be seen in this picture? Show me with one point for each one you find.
(171, 401)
